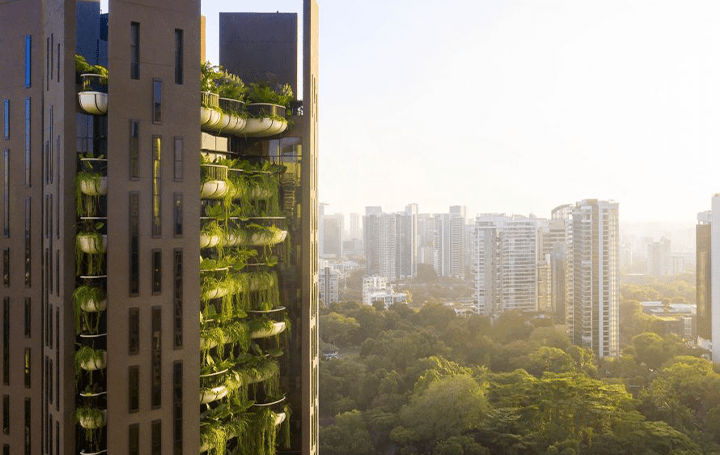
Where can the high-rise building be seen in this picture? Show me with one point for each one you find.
(594, 256)
(332, 243)
(659, 258)
(391, 242)
(124, 336)
(355, 232)
(703, 277)
(328, 283)
(450, 243)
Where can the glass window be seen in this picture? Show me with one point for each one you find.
(134, 50)
(28, 246)
(28, 432)
(134, 149)
(28, 365)
(177, 408)
(134, 278)
(178, 296)
(134, 439)
(6, 119)
(6, 193)
(178, 158)
(178, 56)
(178, 215)
(156, 443)
(6, 341)
(156, 358)
(6, 414)
(28, 61)
(6, 267)
(156, 152)
(133, 331)
(156, 271)
(133, 388)
(28, 317)
(27, 141)
(157, 101)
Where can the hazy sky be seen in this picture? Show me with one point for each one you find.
(515, 106)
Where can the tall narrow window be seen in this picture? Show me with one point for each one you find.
(134, 439)
(156, 152)
(134, 50)
(6, 119)
(177, 215)
(177, 408)
(27, 142)
(134, 243)
(6, 341)
(28, 61)
(28, 365)
(178, 56)
(6, 267)
(178, 158)
(133, 388)
(156, 359)
(134, 149)
(50, 380)
(28, 317)
(133, 331)
(6, 414)
(58, 62)
(28, 246)
(156, 271)
(178, 297)
(6, 193)
(156, 440)
(28, 429)
(157, 101)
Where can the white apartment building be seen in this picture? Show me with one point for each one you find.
(449, 243)
(328, 283)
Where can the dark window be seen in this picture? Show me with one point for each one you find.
(28, 246)
(178, 215)
(156, 445)
(133, 331)
(6, 341)
(58, 65)
(178, 158)
(6, 119)
(156, 154)
(156, 271)
(6, 267)
(51, 56)
(57, 424)
(178, 56)
(27, 142)
(28, 429)
(6, 193)
(134, 243)
(178, 296)
(177, 408)
(133, 388)
(6, 414)
(134, 50)
(134, 149)
(6, 449)
(28, 371)
(28, 61)
(28, 317)
(156, 358)
(49, 340)
(50, 440)
(157, 101)
(134, 439)
(50, 379)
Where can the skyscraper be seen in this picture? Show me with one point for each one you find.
(391, 242)
(703, 277)
(450, 243)
(114, 323)
(594, 257)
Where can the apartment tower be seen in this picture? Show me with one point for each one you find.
(118, 174)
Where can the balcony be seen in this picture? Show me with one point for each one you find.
(93, 97)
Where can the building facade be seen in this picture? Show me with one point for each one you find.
(703, 277)
(114, 332)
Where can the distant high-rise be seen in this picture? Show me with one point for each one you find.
(449, 243)
(594, 257)
(391, 242)
(659, 258)
(703, 276)
(332, 229)
(355, 232)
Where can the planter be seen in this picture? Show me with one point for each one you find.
(278, 327)
(96, 363)
(215, 293)
(209, 116)
(91, 244)
(94, 187)
(214, 189)
(93, 99)
(269, 119)
(209, 241)
(257, 192)
(279, 418)
(213, 394)
(91, 423)
(266, 238)
(91, 306)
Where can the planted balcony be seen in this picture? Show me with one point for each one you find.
(90, 247)
(89, 302)
(211, 235)
(92, 419)
(235, 110)
(254, 234)
(209, 109)
(93, 97)
(265, 119)
(90, 359)
(265, 328)
(214, 181)
(89, 187)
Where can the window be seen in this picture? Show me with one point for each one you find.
(156, 443)
(27, 142)
(134, 50)
(178, 56)
(133, 331)
(178, 297)
(155, 358)
(28, 61)
(28, 432)
(6, 119)
(6, 414)
(133, 389)
(28, 246)
(177, 408)
(28, 364)
(178, 159)
(134, 149)
(6, 267)
(50, 380)
(177, 215)
(134, 243)
(156, 154)
(134, 439)
(6, 341)
(156, 271)
(157, 101)
(6, 193)
(28, 317)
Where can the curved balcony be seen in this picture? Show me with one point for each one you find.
(215, 184)
(98, 362)
(92, 420)
(94, 186)
(93, 98)
(213, 394)
(277, 327)
(241, 237)
(265, 120)
(92, 243)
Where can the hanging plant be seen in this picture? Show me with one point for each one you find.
(89, 359)
(211, 235)
(90, 249)
(89, 186)
(87, 301)
(91, 419)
